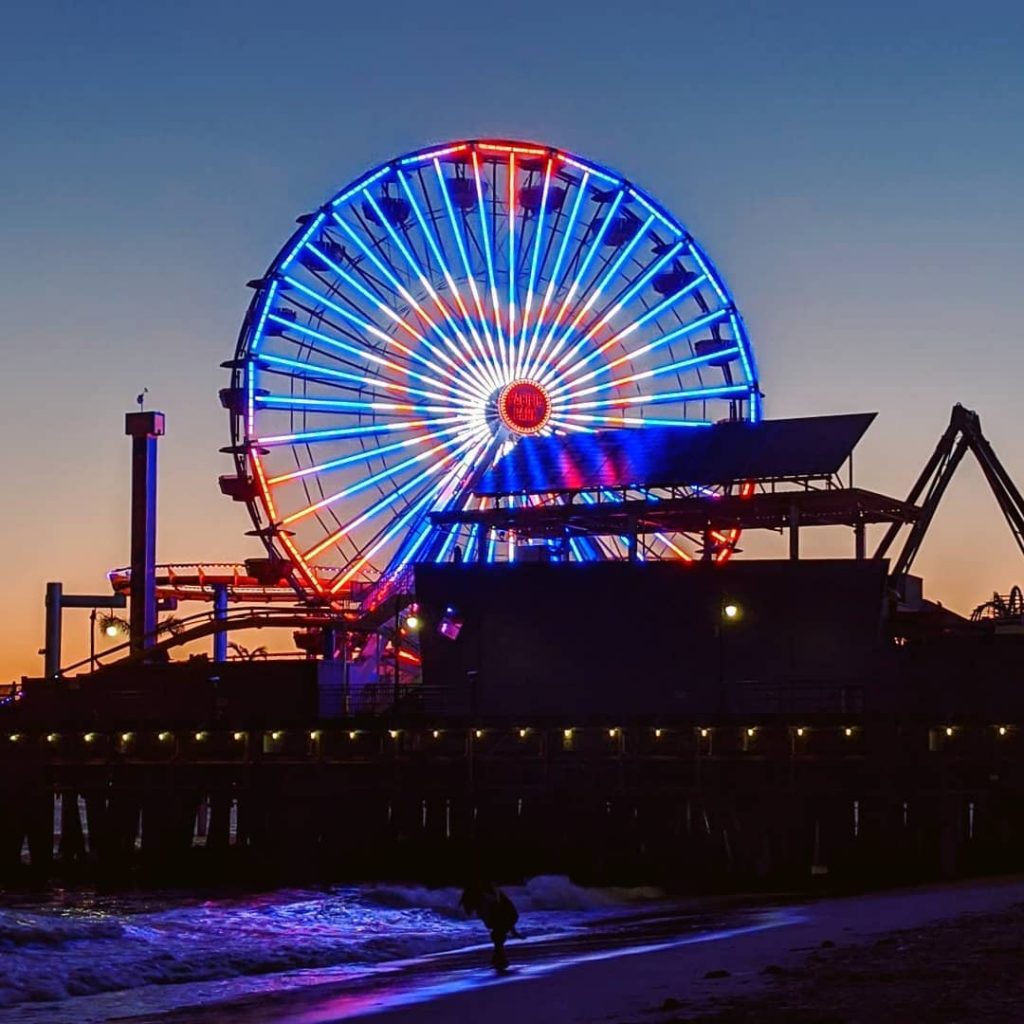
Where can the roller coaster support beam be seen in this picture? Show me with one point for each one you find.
(143, 428)
(962, 435)
(220, 613)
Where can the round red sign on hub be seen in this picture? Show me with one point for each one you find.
(524, 406)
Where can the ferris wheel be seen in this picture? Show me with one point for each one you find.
(437, 311)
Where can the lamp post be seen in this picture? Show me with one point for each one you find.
(729, 613)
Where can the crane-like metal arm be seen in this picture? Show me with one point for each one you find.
(962, 435)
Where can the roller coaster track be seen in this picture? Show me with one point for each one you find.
(204, 624)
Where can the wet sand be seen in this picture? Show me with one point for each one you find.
(947, 953)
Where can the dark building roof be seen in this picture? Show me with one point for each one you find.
(808, 447)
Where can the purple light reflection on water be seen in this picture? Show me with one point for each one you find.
(87, 957)
(351, 1004)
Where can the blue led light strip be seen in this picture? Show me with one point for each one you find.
(538, 234)
(401, 290)
(370, 356)
(651, 314)
(485, 244)
(470, 276)
(464, 354)
(362, 456)
(684, 395)
(327, 374)
(375, 509)
(488, 371)
(554, 282)
(592, 251)
(665, 339)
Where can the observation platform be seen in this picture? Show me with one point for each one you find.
(772, 510)
(771, 475)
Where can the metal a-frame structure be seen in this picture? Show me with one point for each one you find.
(962, 435)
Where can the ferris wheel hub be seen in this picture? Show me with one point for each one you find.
(524, 406)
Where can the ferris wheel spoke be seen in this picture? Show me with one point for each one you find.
(387, 502)
(470, 276)
(307, 437)
(437, 248)
(403, 522)
(296, 369)
(555, 282)
(366, 293)
(343, 405)
(408, 297)
(538, 236)
(651, 314)
(454, 387)
(373, 330)
(581, 271)
(679, 366)
(511, 238)
(684, 395)
(485, 245)
(570, 381)
(569, 419)
(418, 509)
(424, 531)
(616, 305)
(364, 455)
(455, 499)
(389, 472)
(410, 258)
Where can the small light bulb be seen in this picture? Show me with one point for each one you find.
(567, 733)
(314, 735)
(126, 737)
(613, 733)
(110, 630)
(89, 737)
(276, 735)
(52, 738)
(352, 735)
(731, 611)
(800, 731)
(200, 736)
(657, 734)
(164, 737)
(436, 733)
(239, 736)
(703, 734)
(1002, 730)
(848, 731)
(478, 733)
(393, 733)
(14, 737)
(412, 622)
(949, 730)
(522, 734)
(750, 732)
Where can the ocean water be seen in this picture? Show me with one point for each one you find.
(86, 957)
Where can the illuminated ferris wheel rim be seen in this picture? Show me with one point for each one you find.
(494, 362)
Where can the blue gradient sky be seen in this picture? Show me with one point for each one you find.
(854, 169)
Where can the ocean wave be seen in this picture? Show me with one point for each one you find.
(94, 947)
(23, 929)
(541, 893)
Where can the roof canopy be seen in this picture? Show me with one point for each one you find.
(805, 448)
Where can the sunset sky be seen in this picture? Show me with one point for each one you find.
(855, 170)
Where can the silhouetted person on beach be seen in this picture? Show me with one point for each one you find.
(498, 914)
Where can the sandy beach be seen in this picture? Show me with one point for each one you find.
(931, 954)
